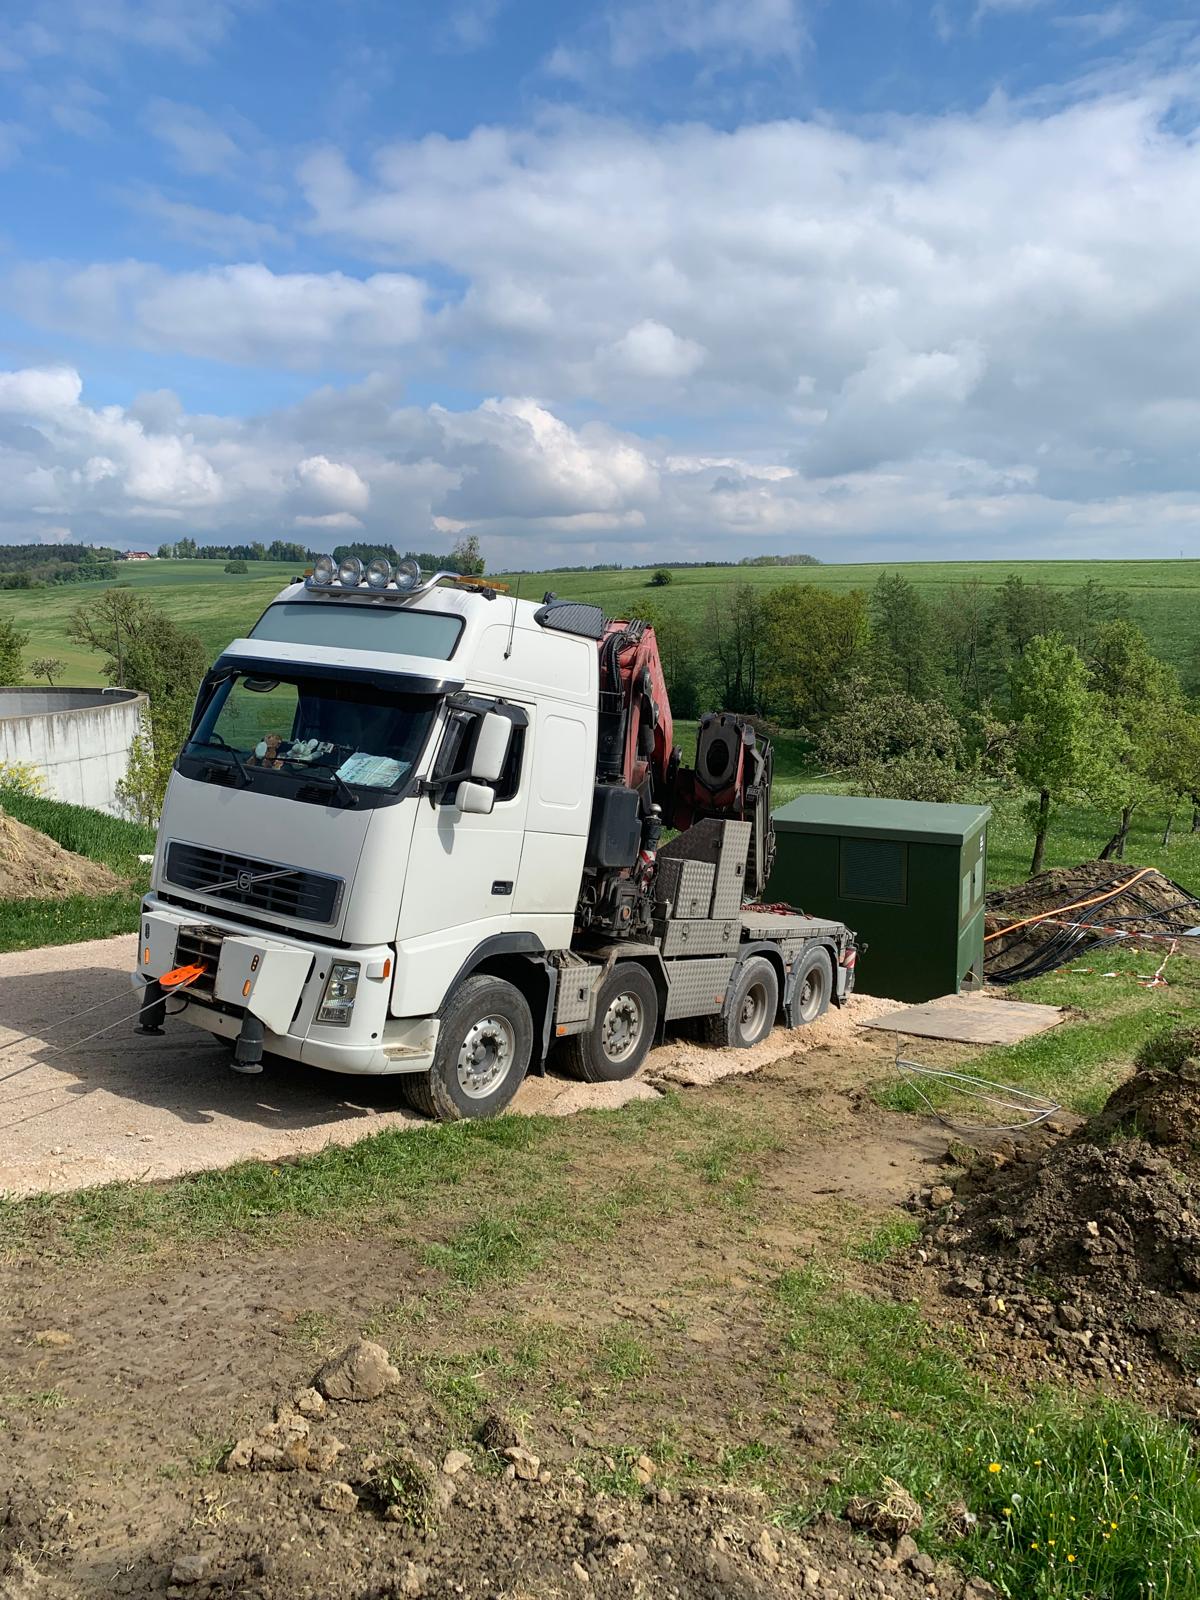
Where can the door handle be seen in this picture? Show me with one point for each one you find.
(502, 886)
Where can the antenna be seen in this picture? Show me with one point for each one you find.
(512, 627)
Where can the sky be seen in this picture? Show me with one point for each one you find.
(632, 280)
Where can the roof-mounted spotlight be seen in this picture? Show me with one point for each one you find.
(324, 571)
(407, 575)
(379, 573)
(350, 572)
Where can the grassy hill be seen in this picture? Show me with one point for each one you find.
(219, 606)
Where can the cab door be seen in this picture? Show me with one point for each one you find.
(462, 871)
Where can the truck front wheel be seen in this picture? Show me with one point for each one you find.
(482, 1055)
(626, 1017)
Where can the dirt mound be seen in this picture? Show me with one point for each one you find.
(1126, 901)
(1092, 1243)
(33, 866)
(500, 1537)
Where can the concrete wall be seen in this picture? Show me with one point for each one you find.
(78, 739)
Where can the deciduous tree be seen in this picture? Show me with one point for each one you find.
(896, 746)
(144, 649)
(904, 638)
(48, 667)
(1059, 746)
(814, 642)
(12, 642)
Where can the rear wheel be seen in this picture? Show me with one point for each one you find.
(482, 1055)
(812, 989)
(750, 1011)
(626, 1017)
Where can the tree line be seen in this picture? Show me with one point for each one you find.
(465, 557)
(37, 566)
(1054, 693)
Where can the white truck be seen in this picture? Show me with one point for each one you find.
(415, 829)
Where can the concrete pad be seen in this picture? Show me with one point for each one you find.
(971, 1019)
(76, 1111)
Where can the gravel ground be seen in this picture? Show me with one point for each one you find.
(126, 1107)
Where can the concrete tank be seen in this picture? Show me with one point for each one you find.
(78, 739)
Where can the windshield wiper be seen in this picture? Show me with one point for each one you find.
(331, 777)
(235, 760)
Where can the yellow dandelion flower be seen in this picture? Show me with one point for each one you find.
(993, 1466)
(1033, 1546)
(1070, 1558)
(1037, 1463)
(1050, 1541)
(1008, 1511)
(1113, 1526)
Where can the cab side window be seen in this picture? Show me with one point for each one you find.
(510, 778)
(454, 755)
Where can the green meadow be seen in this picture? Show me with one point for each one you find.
(220, 606)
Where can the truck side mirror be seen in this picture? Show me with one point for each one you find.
(475, 799)
(491, 748)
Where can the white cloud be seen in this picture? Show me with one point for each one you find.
(650, 350)
(471, 23)
(331, 486)
(1014, 286)
(757, 29)
(198, 144)
(221, 233)
(966, 332)
(188, 29)
(1099, 26)
(243, 313)
(535, 489)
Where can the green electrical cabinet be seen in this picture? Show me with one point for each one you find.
(908, 877)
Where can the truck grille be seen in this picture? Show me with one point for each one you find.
(294, 893)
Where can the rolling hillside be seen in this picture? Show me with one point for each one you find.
(1164, 595)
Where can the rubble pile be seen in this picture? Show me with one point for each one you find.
(1091, 1243)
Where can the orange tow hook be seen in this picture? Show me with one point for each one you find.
(178, 975)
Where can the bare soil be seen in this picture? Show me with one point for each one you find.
(33, 866)
(123, 1386)
(1088, 1246)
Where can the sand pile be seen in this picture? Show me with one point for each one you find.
(1127, 901)
(33, 866)
(1093, 1243)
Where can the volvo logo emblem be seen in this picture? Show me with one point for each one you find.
(245, 881)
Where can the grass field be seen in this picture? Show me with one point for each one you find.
(220, 606)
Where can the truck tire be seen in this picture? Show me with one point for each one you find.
(483, 1052)
(749, 1013)
(812, 988)
(626, 1019)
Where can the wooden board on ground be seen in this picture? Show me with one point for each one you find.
(971, 1019)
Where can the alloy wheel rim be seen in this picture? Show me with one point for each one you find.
(621, 1030)
(485, 1056)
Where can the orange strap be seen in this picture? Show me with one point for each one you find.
(1057, 911)
(178, 975)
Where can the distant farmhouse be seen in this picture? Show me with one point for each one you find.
(137, 555)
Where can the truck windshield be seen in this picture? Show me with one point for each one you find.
(342, 734)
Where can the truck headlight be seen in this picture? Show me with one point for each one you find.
(337, 998)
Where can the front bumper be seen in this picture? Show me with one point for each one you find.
(280, 981)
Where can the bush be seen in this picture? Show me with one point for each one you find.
(660, 579)
(236, 566)
(22, 777)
